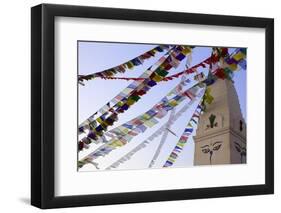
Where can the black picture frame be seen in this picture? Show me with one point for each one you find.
(43, 102)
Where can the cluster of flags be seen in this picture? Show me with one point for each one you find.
(125, 66)
(132, 94)
(223, 65)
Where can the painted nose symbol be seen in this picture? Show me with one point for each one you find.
(211, 153)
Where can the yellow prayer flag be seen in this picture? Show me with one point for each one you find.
(157, 78)
(146, 116)
(113, 145)
(149, 123)
(116, 143)
(125, 131)
(99, 120)
(186, 50)
(120, 103)
(209, 99)
(173, 103)
(181, 145)
(104, 125)
(130, 101)
(154, 51)
(208, 90)
(99, 133)
(233, 67)
(171, 159)
(130, 65)
(238, 56)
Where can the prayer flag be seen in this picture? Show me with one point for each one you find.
(151, 83)
(243, 64)
(173, 103)
(125, 107)
(231, 61)
(130, 65)
(99, 120)
(129, 126)
(159, 49)
(146, 116)
(136, 61)
(150, 123)
(130, 101)
(156, 77)
(177, 148)
(180, 56)
(142, 128)
(238, 56)
(161, 72)
(188, 130)
(233, 66)
(243, 50)
(186, 50)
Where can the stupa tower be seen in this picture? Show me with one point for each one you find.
(221, 132)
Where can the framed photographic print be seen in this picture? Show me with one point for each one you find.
(140, 106)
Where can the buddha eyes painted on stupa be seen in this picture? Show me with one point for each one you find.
(211, 149)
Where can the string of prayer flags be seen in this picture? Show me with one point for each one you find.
(124, 136)
(183, 139)
(105, 149)
(124, 128)
(173, 60)
(132, 87)
(133, 97)
(188, 70)
(127, 65)
(159, 114)
(148, 119)
(159, 111)
(160, 73)
(117, 99)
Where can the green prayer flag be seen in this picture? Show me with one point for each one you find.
(161, 72)
(135, 97)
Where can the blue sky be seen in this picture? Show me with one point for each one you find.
(97, 56)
